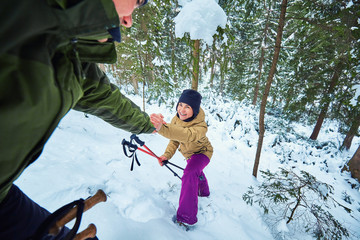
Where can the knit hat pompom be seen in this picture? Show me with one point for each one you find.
(191, 98)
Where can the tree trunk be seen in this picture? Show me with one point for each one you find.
(113, 71)
(196, 65)
(223, 70)
(351, 133)
(148, 70)
(288, 96)
(173, 63)
(319, 122)
(145, 57)
(135, 81)
(256, 89)
(143, 97)
(268, 85)
(334, 80)
(354, 165)
(213, 59)
(135, 84)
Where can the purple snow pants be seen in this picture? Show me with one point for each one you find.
(194, 184)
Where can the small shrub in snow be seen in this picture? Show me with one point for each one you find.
(300, 201)
(347, 198)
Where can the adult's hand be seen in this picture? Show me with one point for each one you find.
(157, 119)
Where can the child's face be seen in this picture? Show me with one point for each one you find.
(184, 111)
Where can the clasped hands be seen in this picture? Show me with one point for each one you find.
(157, 119)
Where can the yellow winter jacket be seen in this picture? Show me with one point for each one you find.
(190, 136)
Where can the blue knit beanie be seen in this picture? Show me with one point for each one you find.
(193, 99)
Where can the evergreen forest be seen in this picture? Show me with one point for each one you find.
(313, 79)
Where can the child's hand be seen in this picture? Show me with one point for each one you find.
(157, 116)
(162, 158)
(157, 119)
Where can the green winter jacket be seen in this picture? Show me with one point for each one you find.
(48, 56)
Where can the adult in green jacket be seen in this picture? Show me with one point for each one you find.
(48, 55)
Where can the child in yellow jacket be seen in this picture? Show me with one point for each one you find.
(187, 133)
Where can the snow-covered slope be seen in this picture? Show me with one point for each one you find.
(85, 154)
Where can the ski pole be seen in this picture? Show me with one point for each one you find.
(175, 174)
(100, 196)
(164, 163)
(167, 162)
(89, 232)
(133, 147)
(151, 153)
(147, 151)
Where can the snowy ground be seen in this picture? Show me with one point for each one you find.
(85, 154)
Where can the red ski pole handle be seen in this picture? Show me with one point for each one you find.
(158, 158)
(150, 151)
(151, 154)
(144, 151)
(141, 143)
